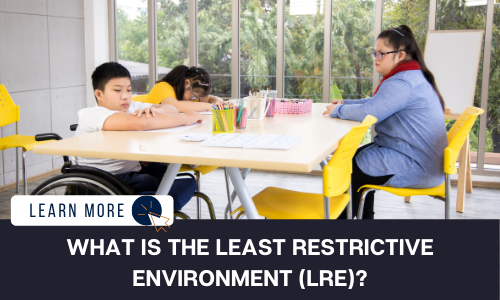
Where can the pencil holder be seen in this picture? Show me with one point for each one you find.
(222, 120)
(240, 114)
(256, 106)
(270, 107)
(271, 94)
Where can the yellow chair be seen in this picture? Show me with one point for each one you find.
(277, 203)
(198, 170)
(9, 113)
(456, 138)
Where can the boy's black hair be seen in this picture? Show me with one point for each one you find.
(107, 71)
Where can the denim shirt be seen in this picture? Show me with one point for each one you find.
(411, 133)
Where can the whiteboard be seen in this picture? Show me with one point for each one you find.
(453, 57)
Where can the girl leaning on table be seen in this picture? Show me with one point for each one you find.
(408, 150)
(185, 88)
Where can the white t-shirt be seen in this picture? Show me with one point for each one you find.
(91, 120)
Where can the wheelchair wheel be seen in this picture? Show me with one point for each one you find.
(76, 184)
(179, 214)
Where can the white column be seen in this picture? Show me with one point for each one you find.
(432, 14)
(113, 40)
(152, 43)
(95, 14)
(488, 35)
(193, 33)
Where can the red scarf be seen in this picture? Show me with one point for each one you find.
(407, 65)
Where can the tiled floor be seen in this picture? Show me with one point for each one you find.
(483, 203)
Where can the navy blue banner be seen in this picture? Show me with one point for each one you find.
(389, 259)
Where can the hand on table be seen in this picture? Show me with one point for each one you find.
(147, 111)
(331, 108)
(192, 117)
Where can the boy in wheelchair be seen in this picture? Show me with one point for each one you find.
(115, 111)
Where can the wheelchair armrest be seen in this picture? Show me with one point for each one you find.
(73, 127)
(185, 175)
(47, 137)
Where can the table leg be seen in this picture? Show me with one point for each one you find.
(468, 179)
(228, 210)
(462, 173)
(229, 202)
(323, 163)
(168, 179)
(242, 192)
(349, 205)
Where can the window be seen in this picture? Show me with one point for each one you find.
(352, 41)
(172, 34)
(457, 15)
(132, 36)
(214, 44)
(304, 46)
(353, 26)
(413, 13)
(257, 45)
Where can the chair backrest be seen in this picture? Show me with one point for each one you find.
(140, 98)
(9, 111)
(337, 174)
(457, 136)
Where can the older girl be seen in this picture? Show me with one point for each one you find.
(408, 150)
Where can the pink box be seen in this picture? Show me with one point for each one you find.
(287, 107)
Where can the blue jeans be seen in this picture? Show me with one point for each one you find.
(148, 179)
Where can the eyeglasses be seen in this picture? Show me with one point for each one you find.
(379, 55)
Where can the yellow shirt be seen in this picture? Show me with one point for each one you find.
(159, 92)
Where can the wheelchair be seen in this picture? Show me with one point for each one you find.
(84, 180)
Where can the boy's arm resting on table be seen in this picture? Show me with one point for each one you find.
(392, 97)
(184, 106)
(130, 122)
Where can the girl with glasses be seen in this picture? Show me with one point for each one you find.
(408, 150)
(185, 88)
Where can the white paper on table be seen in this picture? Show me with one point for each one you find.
(175, 129)
(207, 112)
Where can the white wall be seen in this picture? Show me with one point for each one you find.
(42, 65)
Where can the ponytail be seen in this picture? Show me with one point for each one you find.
(401, 38)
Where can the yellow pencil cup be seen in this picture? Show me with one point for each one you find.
(222, 121)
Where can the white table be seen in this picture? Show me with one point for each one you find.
(320, 137)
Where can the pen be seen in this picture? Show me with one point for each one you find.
(252, 112)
